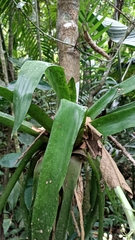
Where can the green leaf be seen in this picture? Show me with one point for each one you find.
(70, 182)
(26, 127)
(6, 224)
(125, 86)
(34, 111)
(28, 79)
(57, 79)
(14, 195)
(25, 139)
(120, 119)
(9, 160)
(28, 194)
(96, 25)
(72, 89)
(15, 176)
(40, 116)
(7, 94)
(65, 128)
(42, 85)
(98, 106)
(120, 89)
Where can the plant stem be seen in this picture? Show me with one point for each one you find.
(101, 201)
(101, 195)
(127, 208)
(17, 173)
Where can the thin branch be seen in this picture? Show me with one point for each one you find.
(25, 152)
(94, 46)
(118, 10)
(129, 64)
(3, 63)
(79, 205)
(75, 223)
(128, 31)
(123, 149)
(40, 30)
(116, 48)
(101, 83)
(49, 15)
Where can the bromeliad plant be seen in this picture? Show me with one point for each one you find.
(70, 141)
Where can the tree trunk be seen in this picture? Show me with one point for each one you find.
(67, 31)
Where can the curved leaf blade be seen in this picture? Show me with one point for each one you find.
(117, 121)
(98, 106)
(6, 93)
(70, 182)
(34, 111)
(9, 160)
(26, 127)
(72, 90)
(40, 116)
(120, 89)
(57, 79)
(28, 79)
(65, 128)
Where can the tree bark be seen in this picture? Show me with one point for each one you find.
(67, 31)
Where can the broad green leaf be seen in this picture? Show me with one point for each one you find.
(28, 79)
(72, 89)
(6, 224)
(40, 116)
(34, 111)
(26, 127)
(25, 139)
(98, 106)
(28, 194)
(15, 176)
(125, 86)
(6, 93)
(120, 89)
(42, 85)
(65, 128)
(117, 121)
(9, 160)
(69, 185)
(14, 195)
(57, 80)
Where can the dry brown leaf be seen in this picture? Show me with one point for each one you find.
(38, 129)
(80, 152)
(83, 146)
(111, 173)
(88, 120)
(79, 192)
(93, 141)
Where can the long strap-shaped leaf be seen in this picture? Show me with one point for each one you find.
(68, 192)
(54, 167)
(34, 110)
(120, 89)
(28, 79)
(118, 120)
(26, 127)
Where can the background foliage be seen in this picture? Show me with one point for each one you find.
(28, 32)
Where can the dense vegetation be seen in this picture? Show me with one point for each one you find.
(67, 110)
